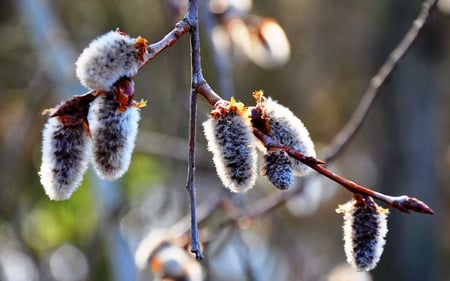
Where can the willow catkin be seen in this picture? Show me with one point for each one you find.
(160, 252)
(171, 262)
(108, 58)
(231, 141)
(65, 158)
(286, 128)
(113, 135)
(277, 167)
(365, 229)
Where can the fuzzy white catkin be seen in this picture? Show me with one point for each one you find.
(107, 59)
(290, 131)
(65, 158)
(365, 229)
(231, 141)
(113, 136)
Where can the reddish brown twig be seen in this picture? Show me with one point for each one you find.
(403, 203)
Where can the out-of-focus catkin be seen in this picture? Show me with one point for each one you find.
(162, 253)
(113, 135)
(282, 125)
(230, 139)
(365, 229)
(108, 58)
(65, 158)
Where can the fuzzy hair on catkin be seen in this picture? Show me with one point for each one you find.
(108, 58)
(288, 130)
(65, 158)
(278, 168)
(113, 136)
(365, 229)
(231, 142)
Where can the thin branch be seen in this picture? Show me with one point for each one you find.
(192, 19)
(403, 203)
(181, 28)
(342, 139)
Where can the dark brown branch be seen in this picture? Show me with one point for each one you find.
(403, 203)
(342, 139)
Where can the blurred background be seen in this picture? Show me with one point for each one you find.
(318, 65)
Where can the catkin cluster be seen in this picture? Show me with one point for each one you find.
(365, 229)
(100, 126)
(229, 132)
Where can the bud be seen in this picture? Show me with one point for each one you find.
(365, 228)
(65, 158)
(108, 58)
(279, 123)
(114, 126)
(277, 167)
(231, 141)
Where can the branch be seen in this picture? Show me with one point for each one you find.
(342, 139)
(403, 203)
(181, 27)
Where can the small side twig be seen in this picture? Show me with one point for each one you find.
(181, 27)
(341, 140)
(403, 203)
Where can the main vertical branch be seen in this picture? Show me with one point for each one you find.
(192, 19)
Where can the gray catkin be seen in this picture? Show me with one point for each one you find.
(365, 228)
(289, 130)
(113, 136)
(65, 158)
(278, 168)
(108, 58)
(231, 141)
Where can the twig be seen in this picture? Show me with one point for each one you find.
(192, 19)
(403, 203)
(342, 139)
(181, 27)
